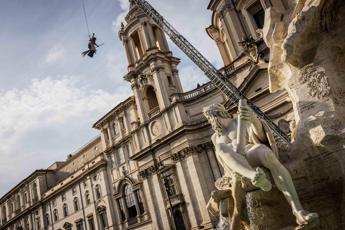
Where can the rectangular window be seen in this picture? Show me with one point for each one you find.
(63, 196)
(54, 202)
(122, 123)
(115, 129)
(121, 156)
(91, 223)
(103, 220)
(169, 185)
(74, 190)
(113, 162)
(258, 14)
(79, 225)
(129, 149)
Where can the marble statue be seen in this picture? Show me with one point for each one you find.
(245, 148)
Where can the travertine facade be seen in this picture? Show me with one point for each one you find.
(153, 166)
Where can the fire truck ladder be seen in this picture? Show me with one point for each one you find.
(217, 78)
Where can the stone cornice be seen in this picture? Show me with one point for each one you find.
(122, 106)
(160, 167)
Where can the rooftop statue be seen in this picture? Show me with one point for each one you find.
(245, 148)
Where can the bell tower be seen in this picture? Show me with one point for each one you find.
(152, 70)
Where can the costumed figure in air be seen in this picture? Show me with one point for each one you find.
(91, 47)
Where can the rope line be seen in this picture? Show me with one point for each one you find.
(85, 17)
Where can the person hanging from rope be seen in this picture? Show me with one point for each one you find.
(91, 47)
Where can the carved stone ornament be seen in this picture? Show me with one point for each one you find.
(316, 79)
(156, 129)
(142, 80)
(251, 49)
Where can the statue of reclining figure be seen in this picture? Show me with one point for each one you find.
(247, 160)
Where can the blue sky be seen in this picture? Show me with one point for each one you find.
(50, 96)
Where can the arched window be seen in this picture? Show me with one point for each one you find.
(26, 200)
(4, 214)
(130, 204)
(47, 219)
(65, 210)
(11, 207)
(56, 215)
(35, 192)
(98, 192)
(76, 204)
(151, 98)
(87, 198)
(18, 202)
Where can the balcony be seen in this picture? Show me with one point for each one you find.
(155, 111)
(195, 93)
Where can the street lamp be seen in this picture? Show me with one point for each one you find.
(168, 192)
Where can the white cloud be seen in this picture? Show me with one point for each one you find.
(190, 76)
(56, 53)
(46, 121)
(124, 5)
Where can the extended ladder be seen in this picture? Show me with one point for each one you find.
(211, 72)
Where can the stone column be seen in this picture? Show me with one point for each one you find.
(142, 38)
(125, 208)
(133, 51)
(232, 23)
(162, 40)
(151, 35)
(160, 201)
(137, 205)
(150, 204)
(109, 134)
(187, 195)
(202, 195)
(161, 91)
(140, 107)
(176, 78)
(148, 36)
(129, 55)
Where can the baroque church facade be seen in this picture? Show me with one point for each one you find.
(153, 165)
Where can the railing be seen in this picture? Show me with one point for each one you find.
(195, 92)
(154, 112)
(132, 221)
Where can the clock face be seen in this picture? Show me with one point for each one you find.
(156, 128)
